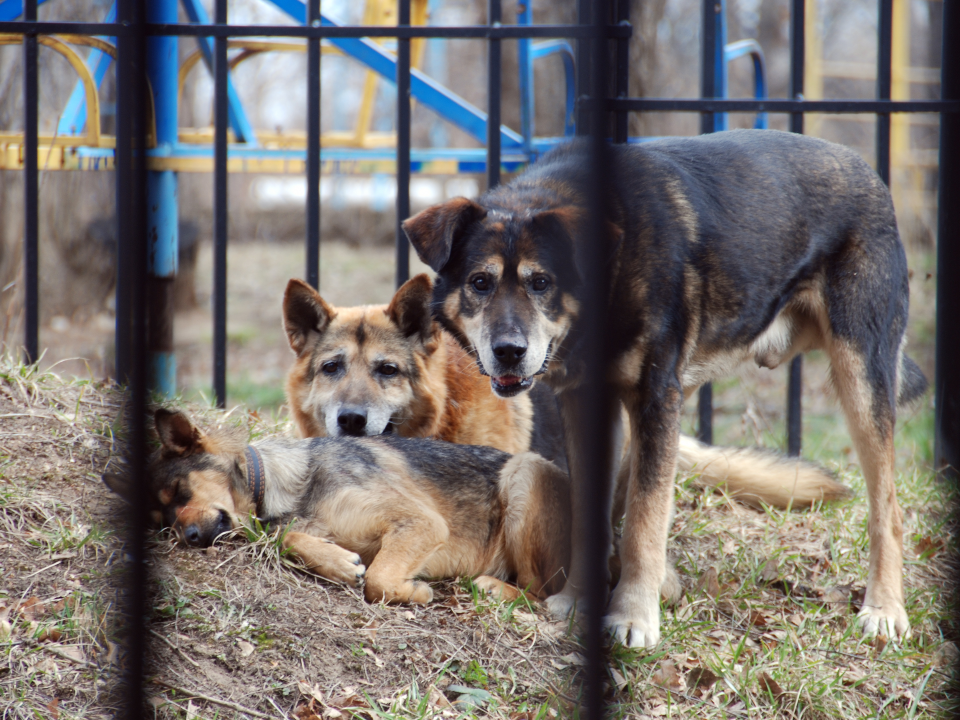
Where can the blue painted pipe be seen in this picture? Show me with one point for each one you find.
(162, 232)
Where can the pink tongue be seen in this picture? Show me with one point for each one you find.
(508, 380)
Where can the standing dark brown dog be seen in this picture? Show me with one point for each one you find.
(734, 246)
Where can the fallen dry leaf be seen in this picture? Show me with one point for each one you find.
(708, 583)
(31, 609)
(619, 680)
(667, 676)
(927, 547)
(53, 707)
(50, 635)
(946, 654)
(879, 643)
(191, 710)
(246, 649)
(438, 698)
(757, 618)
(769, 685)
(837, 594)
(310, 691)
(770, 571)
(702, 678)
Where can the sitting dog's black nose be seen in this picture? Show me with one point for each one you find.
(509, 352)
(352, 421)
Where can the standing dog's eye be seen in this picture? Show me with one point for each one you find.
(481, 283)
(330, 367)
(540, 283)
(388, 369)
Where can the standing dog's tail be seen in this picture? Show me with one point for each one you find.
(757, 476)
(912, 382)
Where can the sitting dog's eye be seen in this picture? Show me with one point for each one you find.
(388, 369)
(540, 283)
(330, 367)
(481, 283)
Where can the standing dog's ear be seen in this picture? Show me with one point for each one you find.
(304, 312)
(177, 434)
(433, 231)
(409, 309)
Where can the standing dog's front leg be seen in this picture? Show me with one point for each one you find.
(634, 615)
(586, 487)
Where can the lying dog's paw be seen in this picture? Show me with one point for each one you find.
(888, 619)
(346, 567)
(422, 593)
(561, 605)
(497, 588)
(634, 620)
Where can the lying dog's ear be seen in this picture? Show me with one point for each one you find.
(434, 231)
(118, 480)
(409, 309)
(177, 434)
(304, 311)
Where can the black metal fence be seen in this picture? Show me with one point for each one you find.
(600, 24)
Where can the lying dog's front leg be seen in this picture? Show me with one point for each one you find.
(634, 614)
(588, 486)
(325, 558)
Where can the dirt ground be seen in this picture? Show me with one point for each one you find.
(238, 632)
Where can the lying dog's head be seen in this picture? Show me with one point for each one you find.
(196, 486)
(506, 283)
(357, 368)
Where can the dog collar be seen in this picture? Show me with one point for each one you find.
(256, 476)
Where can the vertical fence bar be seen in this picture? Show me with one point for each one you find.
(884, 82)
(709, 39)
(594, 486)
(313, 148)
(947, 375)
(162, 230)
(132, 267)
(493, 97)
(525, 67)
(795, 372)
(403, 144)
(622, 89)
(31, 199)
(220, 211)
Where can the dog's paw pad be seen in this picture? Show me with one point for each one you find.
(894, 625)
(422, 593)
(561, 606)
(632, 635)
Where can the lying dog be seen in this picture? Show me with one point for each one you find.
(373, 369)
(745, 245)
(381, 511)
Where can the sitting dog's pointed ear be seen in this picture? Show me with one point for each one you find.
(434, 231)
(304, 311)
(177, 434)
(409, 309)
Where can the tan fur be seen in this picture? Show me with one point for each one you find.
(448, 399)
(373, 520)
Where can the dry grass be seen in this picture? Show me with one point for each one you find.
(765, 628)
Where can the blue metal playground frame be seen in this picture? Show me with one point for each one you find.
(516, 149)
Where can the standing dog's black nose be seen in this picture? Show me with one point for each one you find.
(510, 352)
(352, 421)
